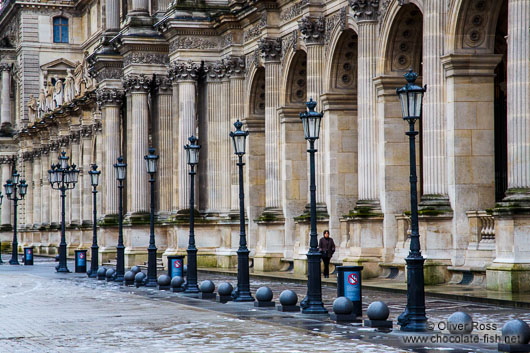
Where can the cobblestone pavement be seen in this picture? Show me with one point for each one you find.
(42, 311)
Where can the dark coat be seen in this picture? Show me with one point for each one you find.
(326, 246)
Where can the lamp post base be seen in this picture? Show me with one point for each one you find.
(62, 269)
(243, 296)
(313, 304)
(242, 292)
(13, 262)
(413, 319)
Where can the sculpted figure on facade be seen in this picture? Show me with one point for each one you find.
(49, 95)
(33, 107)
(42, 102)
(69, 86)
(58, 93)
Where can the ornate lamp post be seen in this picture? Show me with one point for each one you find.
(10, 188)
(150, 163)
(413, 318)
(94, 180)
(121, 173)
(313, 301)
(63, 177)
(242, 292)
(192, 157)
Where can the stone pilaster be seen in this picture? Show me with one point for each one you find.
(110, 101)
(5, 105)
(366, 13)
(45, 187)
(218, 140)
(235, 69)
(36, 189)
(28, 174)
(139, 86)
(112, 15)
(186, 74)
(140, 6)
(84, 180)
(271, 50)
(164, 142)
(434, 141)
(6, 205)
(76, 193)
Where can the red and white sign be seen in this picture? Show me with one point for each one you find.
(353, 279)
(81, 255)
(176, 264)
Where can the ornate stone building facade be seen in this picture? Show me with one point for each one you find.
(104, 78)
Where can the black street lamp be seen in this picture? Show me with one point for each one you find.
(1, 201)
(242, 292)
(192, 157)
(121, 173)
(10, 189)
(413, 318)
(312, 304)
(150, 162)
(63, 177)
(94, 180)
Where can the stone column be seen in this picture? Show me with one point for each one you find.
(218, 130)
(54, 197)
(518, 99)
(45, 187)
(111, 100)
(84, 180)
(366, 16)
(6, 205)
(139, 86)
(28, 174)
(112, 15)
(164, 145)
(5, 109)
(271, 50)
(75, 158)
(235, 67)
(139, 6)
(36, 189)
(186, 74)
(313, 30)
(434, 141)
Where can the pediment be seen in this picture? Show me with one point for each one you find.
(59, 64)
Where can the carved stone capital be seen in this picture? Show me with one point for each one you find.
(64, 141)
(109, 96)
(137, 83)
(235, 66)
(75, 137)
(27, 156)
(271, 49)
(215, 71)
(365, 10)
(162, 83)
(313, 29)
(87, 131)
(185, 71)
(6, 67)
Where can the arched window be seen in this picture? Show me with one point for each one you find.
(60, 30)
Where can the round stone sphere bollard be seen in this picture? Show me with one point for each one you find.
(110, 274)
(342, 306)
(177, 282)
(102, 273)
(139, 279)
(225, 289)
(377, 310)
(516, 332)
(128, 278)
(164, 280)
(460, 323)
(264, 294)
(135, 269)
(207, 286)
(288, 298)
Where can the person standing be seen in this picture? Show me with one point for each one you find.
(327, 249)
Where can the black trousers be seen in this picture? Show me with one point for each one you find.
(326, 259)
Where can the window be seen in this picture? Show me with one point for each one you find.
(60, 30)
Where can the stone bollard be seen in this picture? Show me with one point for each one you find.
(136, 269)
(515, 337)
(110, 274)
(102, 272)
(128, 278)
(207, 288)
(264, 297)
(163, 282)
(139, 279)
(176, 284)
(378, 313)
(288, 300)
(343, 311)
(225, 292)
(460, 323)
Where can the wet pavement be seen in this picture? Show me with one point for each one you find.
(42, 311)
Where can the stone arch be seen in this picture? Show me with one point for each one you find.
(256, 102)
(296, 79)
(473, 25)
(342, 70)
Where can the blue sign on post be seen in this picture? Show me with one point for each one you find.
(352, 285)
(28, 256)
(349, 282)
(175, 266)
(80, 261)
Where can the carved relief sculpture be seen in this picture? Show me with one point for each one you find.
(42, 102)
(58, 93)
(365, 10)
(271, 49)
(69, 86)
(33, 108)
(49, 95)
(312, 29)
